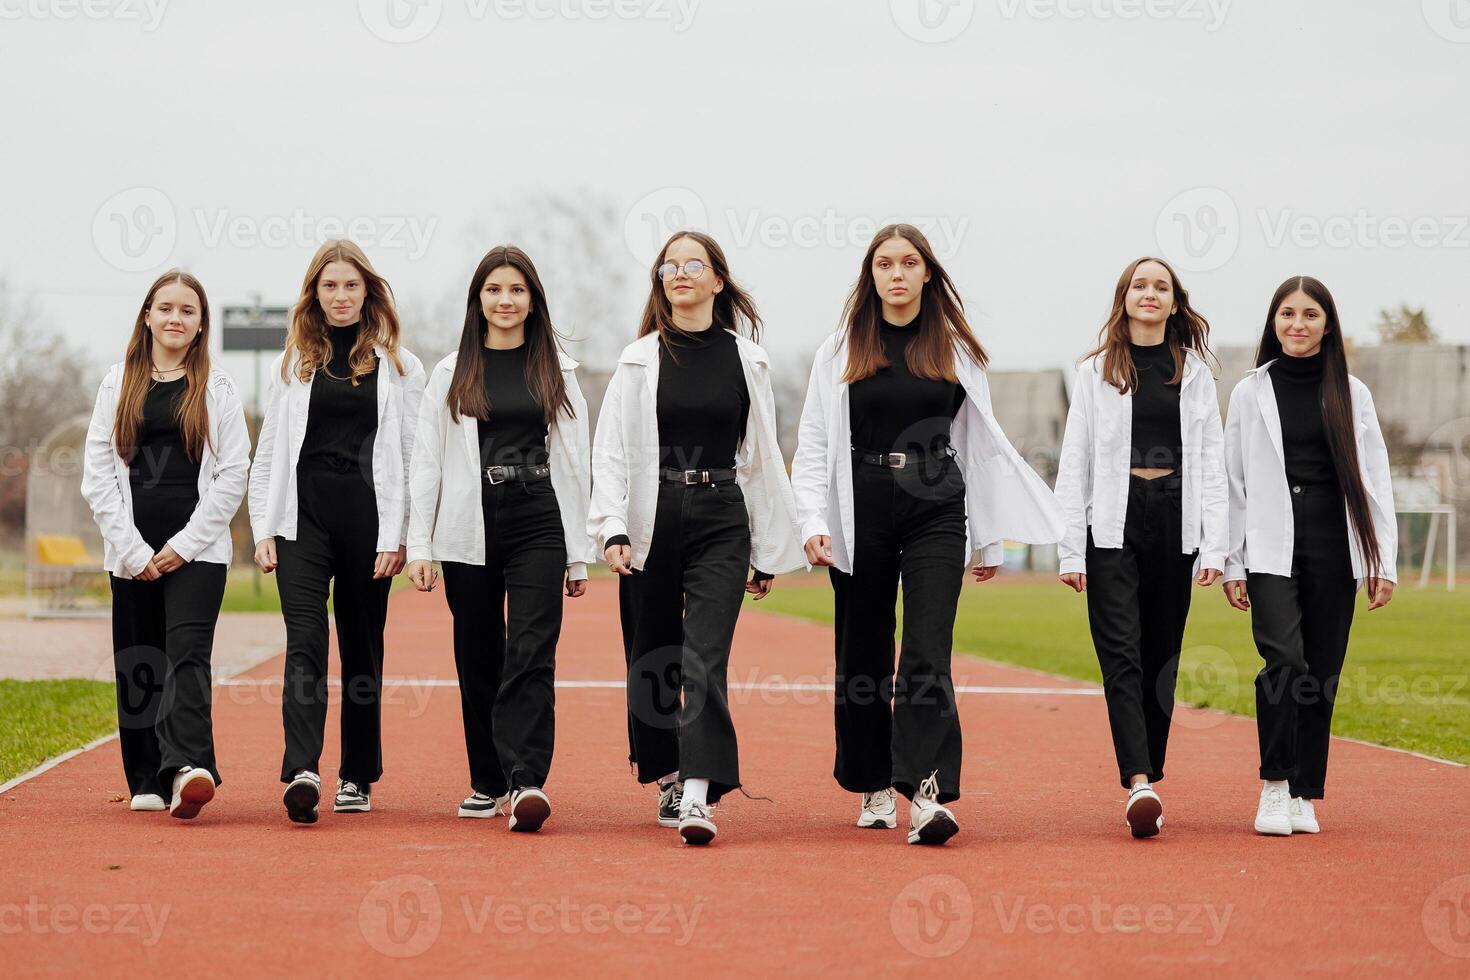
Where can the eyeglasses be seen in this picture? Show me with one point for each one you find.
(693, 269)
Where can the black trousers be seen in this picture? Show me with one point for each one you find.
(162, 642)
(507, 660)
(910, 527)
(678, 615)
(336, 540)
(1301, 625)
(1137, 603)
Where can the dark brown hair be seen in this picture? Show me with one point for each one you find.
(307, 337)
(1185, 329)
(734, 309)
(942, 323)
(137, 377)
(1337, 410)
(543, 361)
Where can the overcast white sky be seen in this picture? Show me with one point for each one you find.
(1046, 143)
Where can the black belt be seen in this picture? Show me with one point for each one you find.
(691, 478)
(496, 475)
(896, 461)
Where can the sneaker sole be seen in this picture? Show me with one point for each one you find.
(1270, 831)
(668, 822)
(1143, 817)
(529, 814)
(878, 823)
(148, 808)
(1305, 830)
(301, 801)
(697, 833)
(936, 831)
(192, 797)
(480, 814)
(352, 807)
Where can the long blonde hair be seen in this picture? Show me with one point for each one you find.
(137, 375)
(307, 338)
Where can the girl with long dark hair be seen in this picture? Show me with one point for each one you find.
(498, 487)
(902, 473)
(164, 472)
(1311, 519)
(1142, 481)
(689, 492)
(329, 504)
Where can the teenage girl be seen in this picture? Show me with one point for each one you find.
(689, 491)
(499, 485)
(164, 471)
(902, 474)
(1142, 481)
(329, 503)
(1311, 519)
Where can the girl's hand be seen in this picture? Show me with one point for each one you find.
(618, 556)
(1208, 576)
(1237, 594)
(1077, 580)
(421, 573)
(819, 549)
(265, 555)
(984, 573)
(759, 587)
(576, 587)
(1380, 591)
(167, 560)
(389, 563)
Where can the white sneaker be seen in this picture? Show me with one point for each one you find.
(192, 789)
(930, 823)
(1273, 815)
(147, 801)
(479, 805)
(301, 797)
(529, 809)
(1304, 817)
(352, 797)
(697, 825)
(880, 810)
(1144, 811)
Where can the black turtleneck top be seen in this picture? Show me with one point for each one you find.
(515, 433)
(1297, 383)
(1156, 428)
(342, 418)
(894, 411)
(703, 403)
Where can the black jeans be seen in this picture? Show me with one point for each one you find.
(162, 642)
(910, 526)
(1137, 603)
(1301, 625)
(678, 615)
(506, 660)
(336, 540)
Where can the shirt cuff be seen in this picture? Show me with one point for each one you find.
(759, 576)
(1071, 565)
(1234, 572)
(576, 571)
(617, 539)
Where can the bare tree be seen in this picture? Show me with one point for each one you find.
(1405, 326)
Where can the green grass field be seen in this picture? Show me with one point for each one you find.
(1406, 682)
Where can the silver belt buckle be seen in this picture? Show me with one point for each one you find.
(693, 477)
(490, 475)
(898, 460)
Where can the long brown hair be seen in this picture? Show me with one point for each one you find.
(1186, 329)
(734, 309)
(942, 323)
(137, 377)
(307, 337)
(543, 362)
(1337, 410)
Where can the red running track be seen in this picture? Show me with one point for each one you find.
(1043, 877)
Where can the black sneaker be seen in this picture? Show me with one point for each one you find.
(352, 797)
(669, 795)
(301, 797)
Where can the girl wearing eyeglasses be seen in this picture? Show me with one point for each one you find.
(498, 489)
(166, 457)
(902, 474)
(689, 491)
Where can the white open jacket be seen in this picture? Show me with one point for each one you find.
(1262, 528)
(625, 461)
(222, 470)
(1097, 451)
(273, 474)
(1004, 498)
(446, 522)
